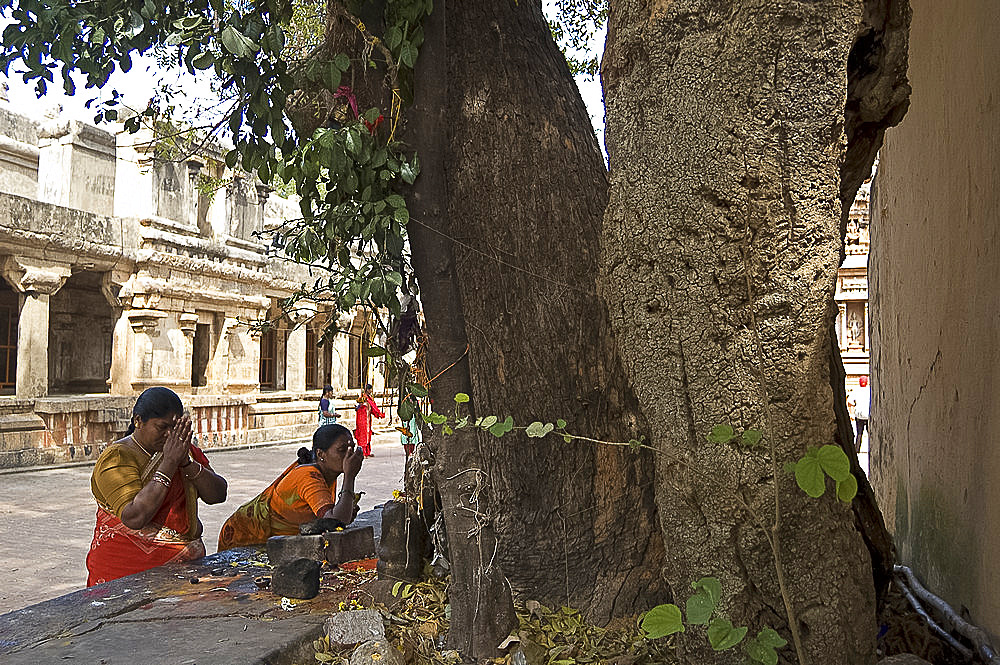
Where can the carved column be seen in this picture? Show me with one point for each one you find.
(295, 350)
(37, 282)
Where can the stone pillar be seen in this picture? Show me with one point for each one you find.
(37, 282)
(295, 351)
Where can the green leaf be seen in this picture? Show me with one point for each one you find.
(710, 586)
(417, 390)
(723, 635)
(699, 609)
(436, 418)
(560, 423)
(342, 62)
(236, 43)
(809, 475)
(332, 79)
(847, 489)
(833, 460)
(488, 421)
(408, 55)
(396, 201)
(535, 430)
(448, 430)
(501, 428)
(401, 215)
(721, 434)
(661, 621)
(701, 605)
(751, 437)
(203, 60)
(762, 649)
(374, 351)
(461, 398)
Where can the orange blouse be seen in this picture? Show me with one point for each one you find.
(301, 496)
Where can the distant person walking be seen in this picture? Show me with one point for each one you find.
(366, 408)
(860, 405)
(326, 415)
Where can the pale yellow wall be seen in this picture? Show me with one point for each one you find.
(935, 282)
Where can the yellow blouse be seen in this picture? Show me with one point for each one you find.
(117, 477)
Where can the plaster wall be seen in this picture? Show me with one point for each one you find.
(934, 269)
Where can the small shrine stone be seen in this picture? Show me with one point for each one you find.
(376, 652)
(350, 544)
(296, 579)
(282, 549)
(354, 627)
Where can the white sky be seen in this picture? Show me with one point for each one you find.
(140, 83)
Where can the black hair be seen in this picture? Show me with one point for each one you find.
(324, 437)
(156, 402)
(327, 389)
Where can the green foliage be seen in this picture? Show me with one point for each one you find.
(574, 28)
(661, 621)
(700, 606)
(763, 647)
(813, 468)
(348, 177)
(723, 635)
(721, 434)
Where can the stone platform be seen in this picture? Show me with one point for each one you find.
(208, 612)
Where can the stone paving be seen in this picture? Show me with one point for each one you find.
(210, 612)
(47, 517)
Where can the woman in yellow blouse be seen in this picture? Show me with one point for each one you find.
(147, 487)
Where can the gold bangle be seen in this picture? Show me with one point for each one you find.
(160, 477)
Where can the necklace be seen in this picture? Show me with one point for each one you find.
(132, 436)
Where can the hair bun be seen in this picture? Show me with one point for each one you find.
(306, 456)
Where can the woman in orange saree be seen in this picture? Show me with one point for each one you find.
(304, 491)
(147, 487)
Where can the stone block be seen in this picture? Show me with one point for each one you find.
(354, 627)
(298, 578)
(376, 652)
(282, 549)
(350, 544)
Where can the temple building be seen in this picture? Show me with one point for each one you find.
(852, 291)
(121, 271)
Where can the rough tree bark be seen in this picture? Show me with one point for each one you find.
(726, 135)
(481, 609)
(526, 190)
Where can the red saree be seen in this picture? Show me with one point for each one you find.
(174, 533)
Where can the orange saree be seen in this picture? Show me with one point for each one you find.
(299, 495)
(174, 534)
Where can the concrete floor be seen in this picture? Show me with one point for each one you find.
(47, 517)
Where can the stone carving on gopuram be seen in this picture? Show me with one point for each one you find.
(121, 271)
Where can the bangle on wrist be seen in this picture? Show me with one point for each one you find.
(201, 467)
(162, 478)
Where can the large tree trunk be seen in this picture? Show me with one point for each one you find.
(526, 189)
(725, 132)
(481, 610)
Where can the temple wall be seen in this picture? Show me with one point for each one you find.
(128, 272)
(935, 267)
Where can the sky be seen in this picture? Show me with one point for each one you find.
(140, 83)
